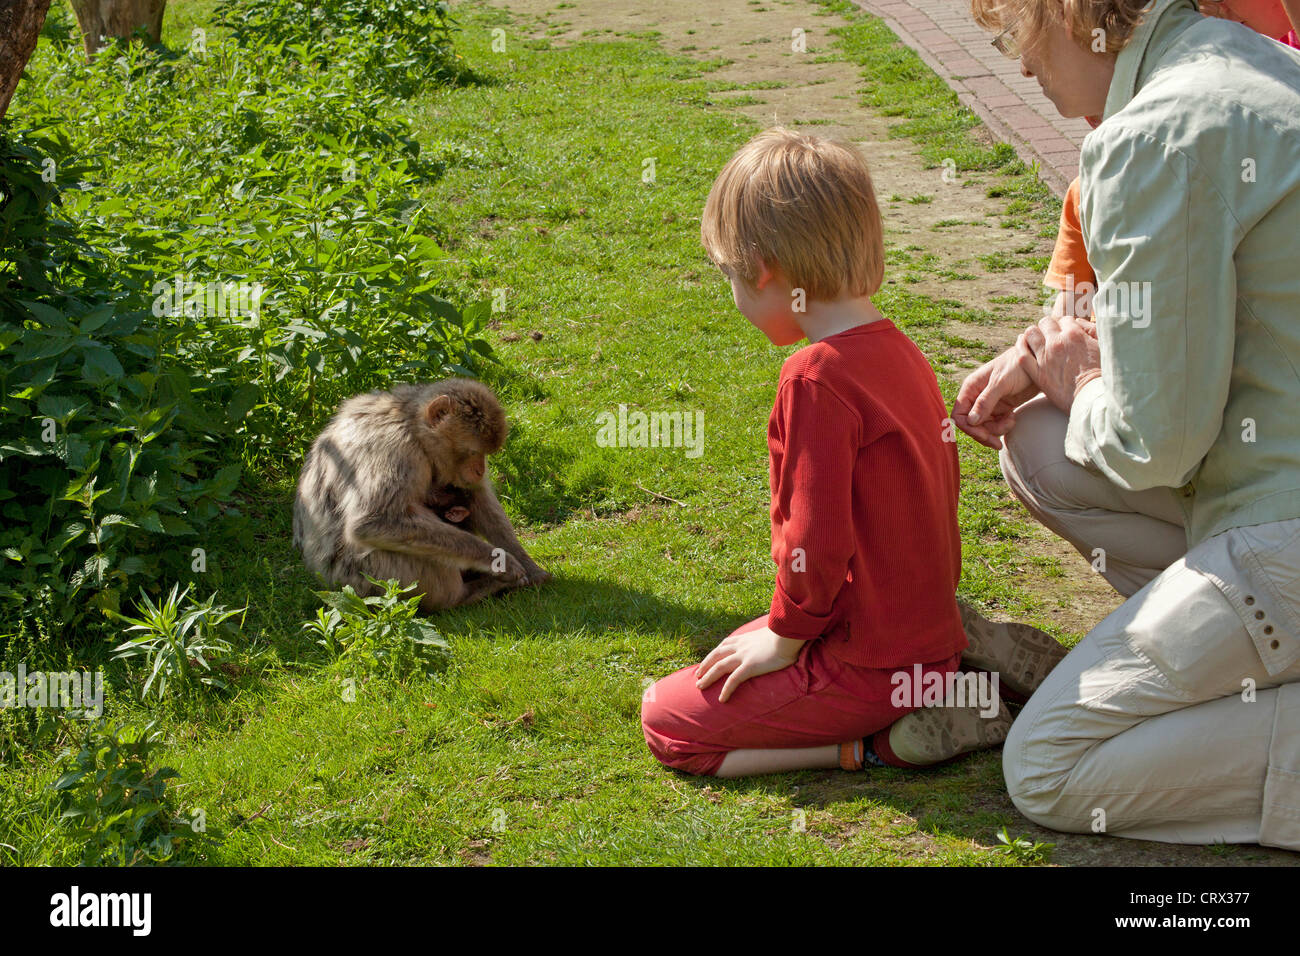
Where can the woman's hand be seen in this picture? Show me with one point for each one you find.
(987, 400)
(1068, 356)
(746, 655)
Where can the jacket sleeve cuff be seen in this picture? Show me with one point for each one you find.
(787, 619)
(1078, 434)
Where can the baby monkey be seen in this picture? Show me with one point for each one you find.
(396, 486)
(449, 503)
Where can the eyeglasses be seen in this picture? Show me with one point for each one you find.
(1007, 44)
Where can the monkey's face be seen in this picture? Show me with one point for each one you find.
(471, 468)
(461, 435)
(464, 453)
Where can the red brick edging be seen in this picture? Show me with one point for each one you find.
(1013, 107)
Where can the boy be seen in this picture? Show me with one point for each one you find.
(864, 479)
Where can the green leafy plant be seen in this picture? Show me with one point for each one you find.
(1024, 849)
(116, 805)
(180, 644)
(130, 411)
(290, 175)
(36, 239)
(109, 443)
(106, 451)
(381, 634)
(403, 44)
(108, 447)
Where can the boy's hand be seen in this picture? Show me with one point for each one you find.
(747, 655)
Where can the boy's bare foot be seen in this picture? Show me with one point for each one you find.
(1021, 656)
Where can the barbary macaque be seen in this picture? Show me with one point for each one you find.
(379, 481)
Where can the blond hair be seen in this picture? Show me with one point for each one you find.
(801, 202)
(1117, 19)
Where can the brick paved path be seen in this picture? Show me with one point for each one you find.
(1011, 105)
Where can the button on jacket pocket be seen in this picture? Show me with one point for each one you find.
(1275, 548)
(1259, 569)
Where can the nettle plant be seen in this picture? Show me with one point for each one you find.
(109, 442)
(115, 804)
(267, 166)
(378, 635)
(107, 451)
(402, 44)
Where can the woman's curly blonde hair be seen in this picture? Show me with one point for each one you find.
(1117, 19)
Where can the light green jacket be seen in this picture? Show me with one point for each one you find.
(1190, 207)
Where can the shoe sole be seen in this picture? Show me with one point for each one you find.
(1021, 655)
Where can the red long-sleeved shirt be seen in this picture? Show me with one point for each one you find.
(864, 501)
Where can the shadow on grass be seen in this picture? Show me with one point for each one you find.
(544, 484)
(966, 799)
(575, 604)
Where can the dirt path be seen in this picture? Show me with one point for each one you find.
(823, 96)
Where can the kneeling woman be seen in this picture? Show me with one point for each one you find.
(1167, 446)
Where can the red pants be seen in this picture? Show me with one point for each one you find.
(817, 700)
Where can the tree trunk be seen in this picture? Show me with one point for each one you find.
(117, 18)
(20, 26)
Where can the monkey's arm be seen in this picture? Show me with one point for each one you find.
(420, 533)
(488, 518)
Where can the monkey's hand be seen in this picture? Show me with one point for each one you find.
(536, 576)
(513, 574)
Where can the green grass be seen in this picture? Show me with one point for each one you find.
(529, 750)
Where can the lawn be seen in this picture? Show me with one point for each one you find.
(574, 176)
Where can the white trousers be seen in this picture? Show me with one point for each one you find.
(1177, 718)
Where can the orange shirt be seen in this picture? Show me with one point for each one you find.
(1070, 258)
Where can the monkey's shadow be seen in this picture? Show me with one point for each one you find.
(575, 604)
